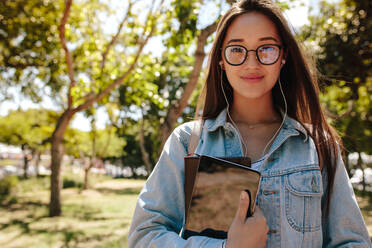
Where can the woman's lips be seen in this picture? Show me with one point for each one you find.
(252, 78)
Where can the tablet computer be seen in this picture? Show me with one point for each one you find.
(214, 188)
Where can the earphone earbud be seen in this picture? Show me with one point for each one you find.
(222, 65)
(282, 64)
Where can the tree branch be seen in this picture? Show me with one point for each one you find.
(143, 41)
(175, 111)
(115, 37)
(193, 78)
(96, 97)
(69, 60)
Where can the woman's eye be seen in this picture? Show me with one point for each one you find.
(267, 49)
(236, 49)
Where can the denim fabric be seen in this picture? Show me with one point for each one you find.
(292, 192)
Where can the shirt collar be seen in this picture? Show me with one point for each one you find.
(212, 125)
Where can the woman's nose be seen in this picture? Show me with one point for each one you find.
(251, 60)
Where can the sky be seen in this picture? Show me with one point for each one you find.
(297, 16)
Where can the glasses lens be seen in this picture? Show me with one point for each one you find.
(235, 55)
(268, 54)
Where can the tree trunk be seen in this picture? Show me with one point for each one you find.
(86, 176)
(176, 110)
(93, 155)
(37, 162)
(25, 160)
(86, 173)
(360, 165)
(57, 155)
(134, 174)
(25, 165)
(145, 154)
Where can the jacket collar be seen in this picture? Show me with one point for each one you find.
(212, 125)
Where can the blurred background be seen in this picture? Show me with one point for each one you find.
(91, 89)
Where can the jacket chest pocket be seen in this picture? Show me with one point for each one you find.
(303, 192)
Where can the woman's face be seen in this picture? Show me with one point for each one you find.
(252, 79)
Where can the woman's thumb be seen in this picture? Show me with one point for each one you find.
(241, 214)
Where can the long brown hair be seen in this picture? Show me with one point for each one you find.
(299, 81)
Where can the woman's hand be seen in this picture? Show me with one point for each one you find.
(247, 232)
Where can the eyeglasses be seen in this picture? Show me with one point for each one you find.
(266, 54)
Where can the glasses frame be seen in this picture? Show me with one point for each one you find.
(252, 50)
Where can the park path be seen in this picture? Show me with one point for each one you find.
(118, 184)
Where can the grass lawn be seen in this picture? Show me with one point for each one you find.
(99, 217)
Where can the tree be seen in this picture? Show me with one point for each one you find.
(186, 14)
(81, 95)
(94, 63)
(30, 130)
(30, 50)
(104, 143)
(171, 78)
(341, 35)
(137, 140)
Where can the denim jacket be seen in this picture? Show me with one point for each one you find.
(292, 192)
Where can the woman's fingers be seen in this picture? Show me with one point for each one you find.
(241, 213)
(247, 232)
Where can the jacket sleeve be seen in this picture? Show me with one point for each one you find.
(159, 214)
(344, 226)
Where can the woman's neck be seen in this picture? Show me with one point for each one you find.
(254, 111)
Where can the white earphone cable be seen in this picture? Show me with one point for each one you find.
(232, 121)
(285, 115)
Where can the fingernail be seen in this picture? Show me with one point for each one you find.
(243, 195)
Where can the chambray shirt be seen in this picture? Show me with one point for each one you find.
(292, 192)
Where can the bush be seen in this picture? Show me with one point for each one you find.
(72, 183)
(7, 185)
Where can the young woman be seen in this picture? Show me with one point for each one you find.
(262, 102)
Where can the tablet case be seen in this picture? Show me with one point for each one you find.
(212, 190)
